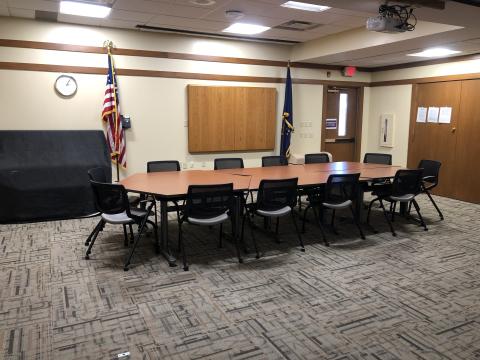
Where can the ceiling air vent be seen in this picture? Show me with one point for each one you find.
(297, 25)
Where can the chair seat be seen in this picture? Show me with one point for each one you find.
(403, 198)
(120, 218)
(341, 205)
(138, 212)
(275, 213)
(208, 221)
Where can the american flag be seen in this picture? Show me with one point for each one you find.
(111, 116)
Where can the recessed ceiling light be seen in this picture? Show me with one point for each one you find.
(84, 9)
(246, 29)
(435, 52)
(234, 14)
(203, 2)
(305, 6)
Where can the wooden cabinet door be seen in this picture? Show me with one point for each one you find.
(436, 141)
(467, 171)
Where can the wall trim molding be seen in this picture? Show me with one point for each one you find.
(25, 44)
(424, 80)
(169, 74)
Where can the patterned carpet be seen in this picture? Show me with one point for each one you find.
(416, 296)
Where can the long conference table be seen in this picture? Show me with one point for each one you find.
(173, 185)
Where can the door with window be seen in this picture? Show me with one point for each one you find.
(340, 123)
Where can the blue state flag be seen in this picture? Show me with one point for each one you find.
(287, 117)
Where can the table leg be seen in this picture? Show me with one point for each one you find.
(164, 243)
(237, 211)
(359, 203)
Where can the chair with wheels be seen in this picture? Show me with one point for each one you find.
(207, 205)
(275, 160)
(377, 158)
(431, 170)
(228, 163)
(318, 158)
(275, 199)
(406, 185)
(111, 201)
(339, 193)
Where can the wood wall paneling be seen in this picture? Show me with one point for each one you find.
(466, 168)
(432, 140)
(226, 118)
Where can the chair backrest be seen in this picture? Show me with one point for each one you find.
(228, 163)
(341, 187)
(431, 169)
(164, 165)
(378, 158)
(316, 158)
(276, 194)
(407, 182)
(98, 174)
(110, 198)
(275, 160)
(207, 201)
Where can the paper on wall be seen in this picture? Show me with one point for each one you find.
(421, 114)
(432, 116)
(445, 115)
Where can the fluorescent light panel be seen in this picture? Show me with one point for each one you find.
(305, 6)
(435, 52)
(84, 9)
(246, 29)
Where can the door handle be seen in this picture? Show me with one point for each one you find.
(454, 129)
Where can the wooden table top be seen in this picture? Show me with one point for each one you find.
(175, 183)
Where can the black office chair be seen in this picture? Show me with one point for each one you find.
(228, 163)
(316, 158)
(99, 174)
(163, 166)
(275, 199)
(406, 185)
(275, 160)
(377, 158)
(111, 201)
(339, 193)
(431, 170)
(207, 205)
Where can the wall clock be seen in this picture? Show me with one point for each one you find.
(66, 86)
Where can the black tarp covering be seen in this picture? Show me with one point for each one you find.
(43, 174)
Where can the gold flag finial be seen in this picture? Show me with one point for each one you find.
(108, 44)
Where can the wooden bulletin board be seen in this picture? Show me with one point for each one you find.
(226, 118)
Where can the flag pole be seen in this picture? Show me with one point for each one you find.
(109, 44)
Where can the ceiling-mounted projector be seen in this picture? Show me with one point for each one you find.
(385, 24)
(393, 19)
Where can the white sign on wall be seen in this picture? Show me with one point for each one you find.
(387, 125)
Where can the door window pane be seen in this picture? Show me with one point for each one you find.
(342, 115)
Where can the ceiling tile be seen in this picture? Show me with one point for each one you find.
(123, 24)
(23, 13)
(163, 8)
(79, 19)
(44, 5)
(181, 22)
(133, 16)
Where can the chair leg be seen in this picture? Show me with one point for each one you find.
(370, 210)
(182, 247)
(87, 242)
(325, 241)
(99, 228)
(302, 247)
(305, 218)
(357, 223)
(434, 204)
(394, 208)
(417, 208)
(131, 233)
(253, 236)
(220, 236)
(155, 229)
(387, 218)
(135, 243)
(333, 223)
(236, 241)
(125, 236)
(277, 239)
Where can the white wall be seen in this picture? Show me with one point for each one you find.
(157, 106)
(394, 100)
